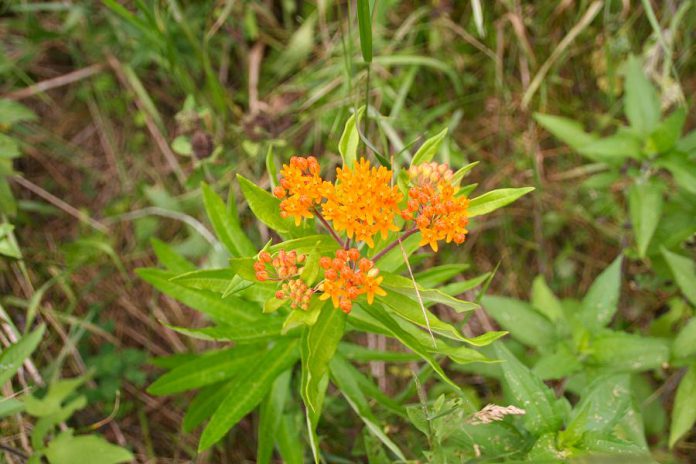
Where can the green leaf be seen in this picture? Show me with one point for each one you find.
(350, 138)
(566, 130)
(9, 406)
(85, 449)
(365, 29)
(270, 416)
(215, 280)
(641, 103)
(206, 403)
(250, 332)
(248, 391)
(520, 319)
(429, 149)
(318, 348)
(51, 402)
(299, 318)
(13, 356)
(529, 393)
(169, 258)
(682, 169)
(345, 377)
(227, 227)
(396, 284)
(12, 112)
(558, 364)
(602, 299)
(684, 410)
(629, 352)
(544, 300)
(684, 273)
(206, 369)
(606, 402)
(613, 150)
(645, 206)
(231, 310)
(490, 201)
(437, 275)
(265, 206)
(668, 131)
(8, 147)
(684, 344)
(463, 171)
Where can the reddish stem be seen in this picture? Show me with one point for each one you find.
(328, 227)
(393, 244)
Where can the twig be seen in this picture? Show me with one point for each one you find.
(57, 202)
(328, 227)
(393, 244)
(55, 82)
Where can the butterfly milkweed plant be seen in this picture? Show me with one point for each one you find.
(289, 314)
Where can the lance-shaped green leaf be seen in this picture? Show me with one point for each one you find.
(521, 320)
(684, 273)
(429, 149)
(544, 300)
(215, 280)
(205, 404)
(230, 310)
(250, 332)
(170, 259)
(344, 375)
(270, 416)
(529, 393)
(265, 206)
(350, 138)
(684, 410)
(248, 391)
(490, 201)
(226, 226)
(629, 352)
(602, 299)
(645, 206)
(685, 342)
(13, 356)
(437, 275)
(566, 130)
(401, 287)
(641, 103)
(365, 29)
(207, 369)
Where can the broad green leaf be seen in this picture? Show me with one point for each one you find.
(206, 369)
(613, 149)
(602, 299)
(170, 259)
(345, 376)
(558, 364)
(318, 348)
(290, 443)
(13, 356)
(365, 29)
(250, 332)
(9, 406)
(437, 275)
(668, 131)
(299, 318)
(215, 280)
(520, 319)
(12, 112)
(51, 402)
(350, 138)
(248, 391)
(231, 310)
(544, 300)
(629, 352)
(684, 344)
(607, 400)
(687, 144)
(429, 149)
(645, 206)
(227, 227)
(8, 147)
(529, 393)
(684, 409)
(682, 169)
(265, 206)
(566, 130)
(403, 287)
(684, 273)
(85, 449)
(490, 201)
(270, 416)
(46, 423)
(641, 103)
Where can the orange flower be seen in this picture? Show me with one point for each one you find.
(301, 188)
(348, 276)
(438, 212)
(362, 202)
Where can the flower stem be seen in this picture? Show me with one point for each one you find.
(393, 244)
(328, 227)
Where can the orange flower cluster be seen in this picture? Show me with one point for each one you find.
(347, 276)
(439, 214)
(363, 202)
(298, 292)
(284, 266)
(301, 188)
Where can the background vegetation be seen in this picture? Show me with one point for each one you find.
(112, 113)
